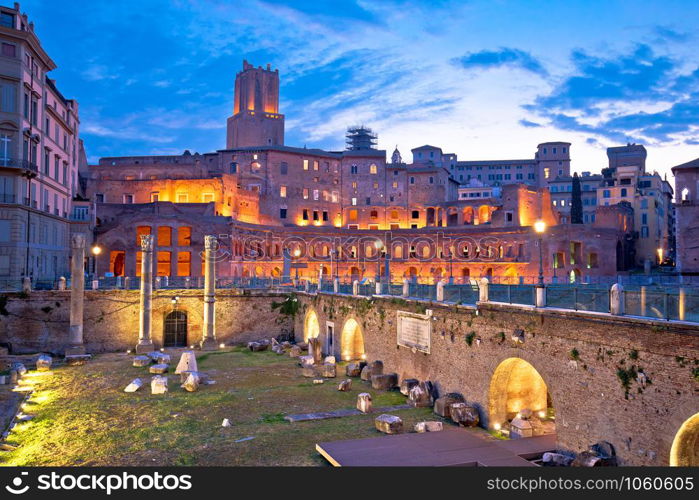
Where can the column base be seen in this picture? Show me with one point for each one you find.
(144, 347)
(208, 345)
(75, 350)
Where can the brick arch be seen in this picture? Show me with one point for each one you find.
(515, 385)
(352, 340)
(682, 436)
(311, 325)
(195, 319)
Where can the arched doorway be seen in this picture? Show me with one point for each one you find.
(685, 447)
(468, 215)
(352, 341)
(517, 386)
(175, 329)
(574, 276)
(311, 327)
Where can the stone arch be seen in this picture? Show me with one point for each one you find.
(685, 447)
(515, 385)
(468, 215)
(352, 341)
(311, 326)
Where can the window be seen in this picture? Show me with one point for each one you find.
(353, 215)
(316, 164)
(284, 168)
(8, 97)
(164, 236)
(431, 180)
(412, 180)
(335, 196)
(374, 214)
(163, 268)
(305, 193)
(305, 214)
(234, 168)
(9, 50)
(282, 213)
(623, 192)
(354, 201)
(207, 197)
(547, 171)
(182, 198)
(316, 195)
(282, 191)
(184, 263)
(315, 215)
(395, 185)
(372, 168)
(128, 199)
(368, 201)
(606, 193)
(7, 20)
(305, 164)
(644, 232)
(99, 198)
(154, 197)
(415, 214)
(353, 169)
(325, 215)
(141, 231)
(184, 236)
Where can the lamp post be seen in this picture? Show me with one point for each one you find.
(95, 250)
(540, 227)
(297, 253)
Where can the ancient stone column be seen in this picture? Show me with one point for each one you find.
(145, 343)
(540, 296)
(406, 287)
(616, 300)
(208, 341)
(440, 291)
(355, 287)
(336, 285)
(77, 293)
(483, 289)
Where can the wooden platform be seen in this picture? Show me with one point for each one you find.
(454, 446)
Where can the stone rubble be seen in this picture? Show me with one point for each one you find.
(135, 385)
(388, 424)
(465, 415)
(187, 363)
(158, 385)
(442, 405)
(345, 385)
(364, 402)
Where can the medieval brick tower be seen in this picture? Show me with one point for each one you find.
(256, 120)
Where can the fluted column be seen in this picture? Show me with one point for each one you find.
(77, 293)
(145, 342)
(208, 342)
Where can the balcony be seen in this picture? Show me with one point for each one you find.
(28, 167)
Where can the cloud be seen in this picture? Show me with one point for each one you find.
(639, 96)
(503, 56)
(668, 34)
(528, 124)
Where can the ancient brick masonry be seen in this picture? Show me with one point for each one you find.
(591, 364)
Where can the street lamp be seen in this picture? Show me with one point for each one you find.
(297, 253)
(540, 227)
(95, 250)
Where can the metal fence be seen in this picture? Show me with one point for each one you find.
(579, 298)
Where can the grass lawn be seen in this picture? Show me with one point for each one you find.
(83, 417)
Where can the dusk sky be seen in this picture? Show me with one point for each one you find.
(483, 79)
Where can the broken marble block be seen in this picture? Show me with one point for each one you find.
(373, 368)
(520, 428)
(278, 349)
(353, 369)
(328, 370)
(159, 368)
(158, 385)
(318, 381)
(407, 384)
(19, 368)
(135, 385)
(430, 426)
(295, 351)
(388, 424)
(465, 415)
(43, 363)
(364, 402)
(345, 385)
(141, 361)
(384, 381)
(329, 360)
(203, 377)
(187, 363)
(306, 360)
(191, 383)
(257, 346)
(226, 423)
(309, 371)
(421, 395)
(551, 459)
(442, 405)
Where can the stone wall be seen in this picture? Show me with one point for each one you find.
(40, 322)
(582, 358)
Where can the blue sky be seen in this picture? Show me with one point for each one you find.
(483, 79)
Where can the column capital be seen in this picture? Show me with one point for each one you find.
(147, 242)
(77, 241)
(210, 242)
